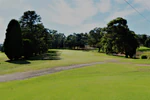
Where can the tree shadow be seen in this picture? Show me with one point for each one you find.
(18, 61)
(50, 55)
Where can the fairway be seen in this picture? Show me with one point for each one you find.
(116, 79)
(100, 82)
(64, 58)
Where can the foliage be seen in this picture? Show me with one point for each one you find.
(76, 40)
(13, 40)
(142, 39)
(147, 42)
(118, 38)
(57, 40)
(94, 37)
(35, 35)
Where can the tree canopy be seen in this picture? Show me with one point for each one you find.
(119, 38)
(35, 35)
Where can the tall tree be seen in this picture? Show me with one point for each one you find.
(13, 40)
(34, 33)
(119, 38)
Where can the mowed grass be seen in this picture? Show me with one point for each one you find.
(108, 81)
(66, 57)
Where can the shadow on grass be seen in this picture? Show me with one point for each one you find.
(19, 62)
(50, 55)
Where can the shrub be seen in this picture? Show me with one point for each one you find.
(144, 57)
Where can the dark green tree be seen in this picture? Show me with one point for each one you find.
(147, 42)
(76, 40)
(119, 38)
(142, 39)
(94, 37)
(13, 40)
(58, 40)
(71, 41)
(35, 35)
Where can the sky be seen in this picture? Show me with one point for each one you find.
(76, 16)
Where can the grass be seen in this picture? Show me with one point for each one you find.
(100, 82)
(120, 80)
(142, 49)
(65, 58)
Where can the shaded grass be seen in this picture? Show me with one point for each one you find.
(100, 82)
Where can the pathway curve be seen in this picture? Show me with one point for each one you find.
(29, 74)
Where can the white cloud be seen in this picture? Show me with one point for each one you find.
(104, 6)
(145, 4)
(2, 30)
(121, 13)
(64, 13)
(119, 1)
(10, 4)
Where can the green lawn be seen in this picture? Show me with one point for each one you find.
(100, 82)
(121, 79)
(67, 57)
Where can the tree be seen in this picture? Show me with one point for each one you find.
(76, 40)
(147, 42)
(142, 39)
(94, 37)
(58, 40)
(13, 40)
(119, 38)
(35, 35)
(71, 41)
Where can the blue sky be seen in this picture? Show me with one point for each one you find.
(69, 16)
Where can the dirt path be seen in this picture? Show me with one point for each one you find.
(29, 74)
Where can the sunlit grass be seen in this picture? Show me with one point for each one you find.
(66, 57)
(100, 82)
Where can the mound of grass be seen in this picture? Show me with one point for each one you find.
(99, 82)
(142, 49)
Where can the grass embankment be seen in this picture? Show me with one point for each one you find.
(143, 51)
(100, 82)
(62, 58)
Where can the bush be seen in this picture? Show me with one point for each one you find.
(144, 57)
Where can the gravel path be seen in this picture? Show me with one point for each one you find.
(29, 74)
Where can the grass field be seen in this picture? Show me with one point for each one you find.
(66, 57)
(121, 79)
(100, 82)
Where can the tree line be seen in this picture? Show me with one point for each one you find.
(28, 37)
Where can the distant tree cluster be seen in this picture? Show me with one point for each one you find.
(28, 37)
(115, 38)
(76, 41)
(144, 40)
